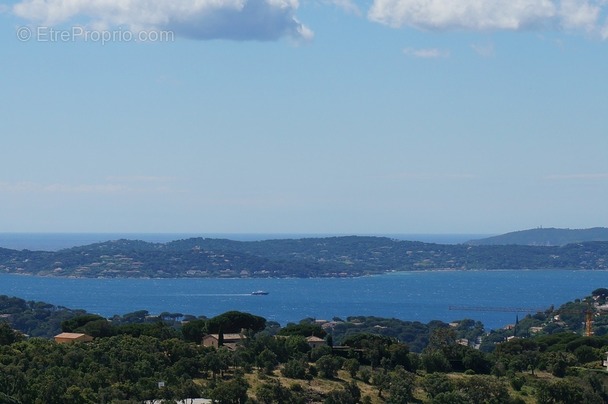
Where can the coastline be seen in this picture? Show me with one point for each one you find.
(369, 275)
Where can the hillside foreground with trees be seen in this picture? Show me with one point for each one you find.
(137, 357)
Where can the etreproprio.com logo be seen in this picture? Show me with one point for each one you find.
(82, 34)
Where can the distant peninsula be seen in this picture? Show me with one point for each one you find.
(546, 237)
(349, 256)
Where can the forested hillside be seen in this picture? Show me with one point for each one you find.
(138, 357)
(546, 237)
(314, 257)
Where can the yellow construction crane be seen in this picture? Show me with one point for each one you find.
(588, 318)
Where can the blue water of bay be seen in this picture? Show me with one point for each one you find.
(414, 296)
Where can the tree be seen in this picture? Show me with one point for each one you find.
(7, 335)
(475, 360)
(399, 356)
(562, 391)
(451, 397)
(5, 399)
(351, 366)
(194, 330)
(435, 361)
(77, 322)
(531, 360)
(350, 395)
(295, 369)
(499, 369)
(365, 375)
(328, 366)
(267, 361)
(220, 337)
(436, 383)
(401, 388)
(354, 390)
(441, 337)
(97, 328)
(296, 345)
(558, 362)
(381, 380)
(12, 381)
(157, 329)
(375, 347)
(138, 316)
(303, 330)
(520, 354)
(483, 389)
(235, 321)
(214, 362)
(76, 395)
(597, 386)
(273, 392)
(318, 352)
(585, 354)
(230, 392)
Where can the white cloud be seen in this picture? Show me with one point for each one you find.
(346, 5)
(577, 14)
(588, 176)
(141, 185)
(33, 187)
(83, 189)
(425, 176)
(198, 19)
(17, 187)
(491, 14)
(140, 178)
(429, 53)
(467, 14)
(483, 49)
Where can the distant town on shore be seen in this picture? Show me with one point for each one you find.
(346, 256)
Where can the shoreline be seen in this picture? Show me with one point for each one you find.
(379, 274)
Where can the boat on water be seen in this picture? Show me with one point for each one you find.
(259, 293)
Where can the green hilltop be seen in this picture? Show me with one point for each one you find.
(546, 237)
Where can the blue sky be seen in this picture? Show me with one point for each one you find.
(385, 116)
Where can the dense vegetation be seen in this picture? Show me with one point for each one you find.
(413, 333)
(314, 257)
(138, 357)
(35, 319)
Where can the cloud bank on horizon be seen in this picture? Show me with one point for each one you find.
(481, 15)
(275, 19)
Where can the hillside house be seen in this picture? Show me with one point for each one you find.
(462, 341)
(231, 341)
(315, 341)
(71, 337)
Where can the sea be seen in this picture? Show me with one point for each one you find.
(496, 297)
